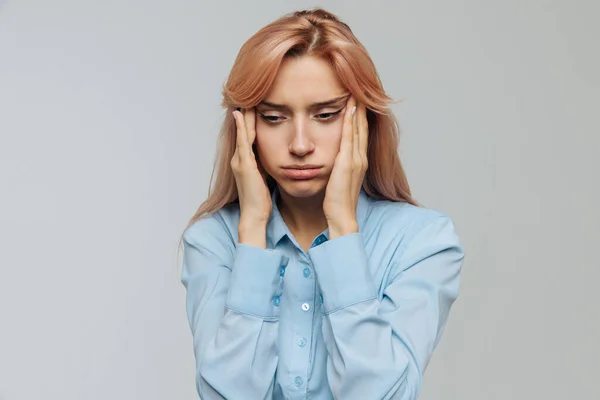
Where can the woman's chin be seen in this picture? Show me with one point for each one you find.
(302, 188)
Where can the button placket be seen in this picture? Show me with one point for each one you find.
(303, 294)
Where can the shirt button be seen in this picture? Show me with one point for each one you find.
(306, 306)
(276, 301)
(302, 342)
(282, 270)
(298, 381)
(306, 272)
(321, 239)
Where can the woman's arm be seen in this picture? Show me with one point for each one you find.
(379, 349)
(231, 311)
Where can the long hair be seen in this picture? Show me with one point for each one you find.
(317, 33)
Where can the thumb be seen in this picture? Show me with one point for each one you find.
(262, 171)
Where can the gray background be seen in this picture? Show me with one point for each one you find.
(109, 112)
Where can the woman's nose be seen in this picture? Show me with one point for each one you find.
(301, 144)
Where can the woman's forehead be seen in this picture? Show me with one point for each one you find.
(303, 82)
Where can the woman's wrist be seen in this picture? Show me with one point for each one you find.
(253, 233)
(341, 229)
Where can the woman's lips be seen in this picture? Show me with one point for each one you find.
(301, 173)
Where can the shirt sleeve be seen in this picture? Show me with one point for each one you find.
(378, 347)
(233, 310)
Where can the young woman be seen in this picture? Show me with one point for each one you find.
(311, 273)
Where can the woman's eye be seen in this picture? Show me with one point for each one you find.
(273, 119)
(329, 115)
(270, 118)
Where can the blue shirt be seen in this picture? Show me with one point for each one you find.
(355, 317)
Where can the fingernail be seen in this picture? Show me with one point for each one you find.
(353, 110)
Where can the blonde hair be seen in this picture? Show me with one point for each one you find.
(317, 33)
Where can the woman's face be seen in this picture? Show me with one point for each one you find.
(295, 128)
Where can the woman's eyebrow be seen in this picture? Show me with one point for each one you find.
(320, 104)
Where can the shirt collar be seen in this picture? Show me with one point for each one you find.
(277, 229)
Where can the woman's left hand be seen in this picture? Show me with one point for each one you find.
(347, 176)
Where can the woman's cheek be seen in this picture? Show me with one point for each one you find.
(264, 149)
(332, 133)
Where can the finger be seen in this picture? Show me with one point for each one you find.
(250, 119)
(363, 141)
(355, 134)
(262, 170)
(242, 138)
(346, 143)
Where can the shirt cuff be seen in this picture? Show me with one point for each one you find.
(342, 271)
(256, 281)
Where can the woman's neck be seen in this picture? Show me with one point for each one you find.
(303, 216)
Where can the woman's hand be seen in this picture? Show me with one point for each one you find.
(251, 182)
(345, 182)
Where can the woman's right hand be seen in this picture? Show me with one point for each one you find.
(250, 178)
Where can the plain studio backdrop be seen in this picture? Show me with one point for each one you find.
(109, 113)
